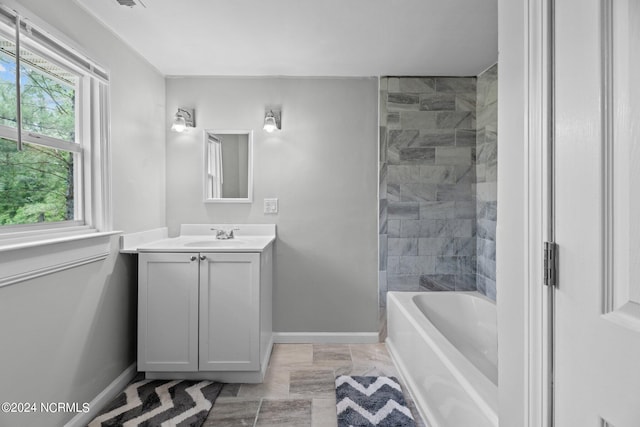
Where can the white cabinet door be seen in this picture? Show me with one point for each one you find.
(229, 311)
(597, 158)
(168, 312)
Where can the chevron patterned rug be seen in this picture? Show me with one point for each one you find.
(371, 401)
(155, 403)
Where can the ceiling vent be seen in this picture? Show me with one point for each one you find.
(130, 3)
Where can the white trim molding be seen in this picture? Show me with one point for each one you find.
(325, 337)
(26, 261)
(523, 111)
(104, 397)
(539, 214)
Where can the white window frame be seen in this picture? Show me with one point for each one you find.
(37, 250)
(93, 199)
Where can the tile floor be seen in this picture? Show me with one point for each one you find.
(299, 387)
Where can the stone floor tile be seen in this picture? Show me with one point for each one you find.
(233, 413)
(275, 385)
(291, 355)
(338, 355)
(323, 413)
(369, 370)
(370, 353)
(285, 413)
(299, 386)
(312, 383)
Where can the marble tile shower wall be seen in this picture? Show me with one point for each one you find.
(486, 178)
(427, 179)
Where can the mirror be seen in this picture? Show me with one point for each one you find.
(228, 164)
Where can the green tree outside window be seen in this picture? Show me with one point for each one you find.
(36, 184)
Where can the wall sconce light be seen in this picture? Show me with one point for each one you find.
(185, 118)
(272, 120)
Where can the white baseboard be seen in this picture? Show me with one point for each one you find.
(325, 337)
(104, 397)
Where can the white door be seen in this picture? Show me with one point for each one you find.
(597, 213)
(229, 312)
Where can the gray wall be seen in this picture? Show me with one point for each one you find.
(322, 167)
(67, 335)
(487, 181)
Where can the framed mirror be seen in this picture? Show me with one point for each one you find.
(228, 166)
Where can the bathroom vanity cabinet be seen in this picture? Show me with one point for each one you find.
(205, 315)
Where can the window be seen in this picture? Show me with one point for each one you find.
(53, 148)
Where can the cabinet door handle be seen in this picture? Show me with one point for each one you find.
(203, 257)
(193, 258)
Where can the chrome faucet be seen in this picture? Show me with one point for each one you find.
(224, 234)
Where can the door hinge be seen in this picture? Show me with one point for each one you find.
(551, 264)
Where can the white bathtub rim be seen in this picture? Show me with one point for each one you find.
(482, 391)
(480, 388)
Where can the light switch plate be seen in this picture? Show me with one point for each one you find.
(271, 206)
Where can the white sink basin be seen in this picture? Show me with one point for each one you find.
(214, 243)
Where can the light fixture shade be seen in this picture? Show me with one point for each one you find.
(270, 124)
(184, 119)
(271, 121)
(179, 124)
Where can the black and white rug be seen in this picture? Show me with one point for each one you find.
(371, 401)
(155, 403)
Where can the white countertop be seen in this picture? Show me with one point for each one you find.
(201, 238)
(200, 243)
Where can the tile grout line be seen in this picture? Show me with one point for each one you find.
(351, 354)
(255, 419)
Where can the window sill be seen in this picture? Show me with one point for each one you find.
(14, 239)
(23, 259)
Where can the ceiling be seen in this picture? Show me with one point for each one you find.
(308, 37)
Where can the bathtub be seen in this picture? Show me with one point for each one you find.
(445, 347)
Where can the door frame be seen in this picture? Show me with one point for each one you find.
(525, 211)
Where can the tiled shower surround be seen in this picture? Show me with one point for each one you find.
(437, 220)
